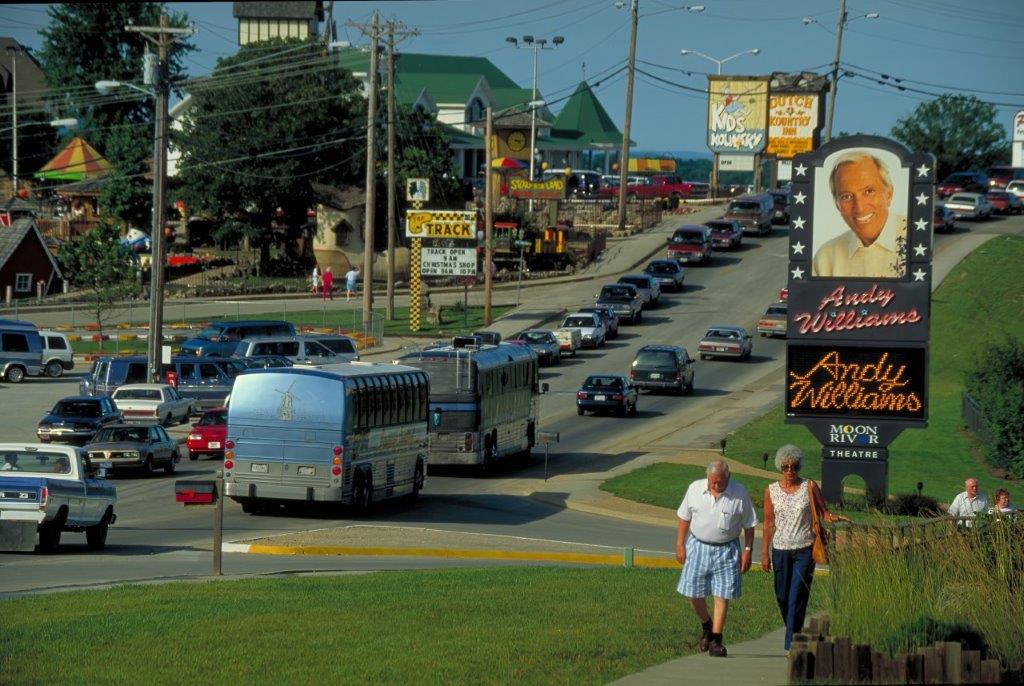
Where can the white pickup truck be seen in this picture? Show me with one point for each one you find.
(47, 489)
(153, 402)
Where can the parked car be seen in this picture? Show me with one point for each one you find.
(343, 347)
(592, 333)
(46, 490)
(58, 356)
(298, 349)
(1004, 202)
(207, 381)
(670, 188)
(265, 362)
(780, 207)
(569, 340)
(668, 273)
(969, 206)
(75, 419)
(160, 403)
(131, 445)
(961, 182)
(624, 299)
(754, 213)
(662, 367)
(690, 243)
(773, 321)
(1000, 177)
(21, 350)
(608, 316)
(542, 342)
(208, 434)
(220, 339)
(726, 341)
(646, 285)
(725, 233)
(943, 221)
(607, 392)
(1017, 188)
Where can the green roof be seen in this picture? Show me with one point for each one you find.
(584, 120)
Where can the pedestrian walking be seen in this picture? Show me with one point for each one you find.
(711, 516)
(351, 282)
(787, 540)
(315, 280)
(328, 283)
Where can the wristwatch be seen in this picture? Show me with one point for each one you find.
(747, 549)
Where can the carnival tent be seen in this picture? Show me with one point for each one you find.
(76, 162)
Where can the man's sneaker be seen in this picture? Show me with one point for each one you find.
(705, 637)
(715, 647)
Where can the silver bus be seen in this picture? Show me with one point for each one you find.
(347, 436)
(484, 401)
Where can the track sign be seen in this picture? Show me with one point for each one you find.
(440, 224)
(448, 262)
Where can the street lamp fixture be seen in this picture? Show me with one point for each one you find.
(720, 62)
(64, 123)
(530, 42)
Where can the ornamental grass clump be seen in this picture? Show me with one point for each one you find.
(901, 589)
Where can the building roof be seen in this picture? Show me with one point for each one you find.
(338, 197)
(11, 238)
(32, 86)
(584, 120)
(278, 10)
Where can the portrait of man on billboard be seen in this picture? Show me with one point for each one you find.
(860, 223)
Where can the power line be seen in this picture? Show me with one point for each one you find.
(897, 80)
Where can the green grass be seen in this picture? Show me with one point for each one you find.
(498, 626)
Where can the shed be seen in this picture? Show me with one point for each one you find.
(25, 260)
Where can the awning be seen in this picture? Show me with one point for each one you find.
(77, 161)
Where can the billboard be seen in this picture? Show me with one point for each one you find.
(440, 224)
(793, 123)
(448, 262)
(1018, 127)
(552, 188)
(737, 114)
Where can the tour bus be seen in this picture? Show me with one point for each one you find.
(348, 436)
(484, 401)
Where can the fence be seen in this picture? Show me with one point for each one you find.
(974, 418)
(602, 213)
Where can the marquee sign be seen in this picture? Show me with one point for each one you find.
(448, 262)
(844, 311)
(793, 123)
(440, 224)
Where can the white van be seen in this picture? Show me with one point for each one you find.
(58, 356)
(296, 348)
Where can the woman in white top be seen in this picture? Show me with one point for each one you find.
(788, 536)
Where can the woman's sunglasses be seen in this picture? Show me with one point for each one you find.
(791, 468)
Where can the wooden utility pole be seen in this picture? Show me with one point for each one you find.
(834, 82)
(488, 216)
(371, 166)
(634, 20)
(392, 209)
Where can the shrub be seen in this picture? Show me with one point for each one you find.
(911, 505)
(996, 382)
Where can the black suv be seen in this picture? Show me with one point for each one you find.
(662, 367)
(75, 419)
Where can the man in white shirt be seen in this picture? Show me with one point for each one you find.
(711, 516)
(970, 502)
(876, 245)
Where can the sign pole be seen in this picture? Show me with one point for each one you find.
(488, 219)
(519, 282)
(465, 305)
(218, 524)
(414, 284)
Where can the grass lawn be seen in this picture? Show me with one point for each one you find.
(485, 626)
(980, 301)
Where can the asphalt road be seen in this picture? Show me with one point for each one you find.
(156, 538)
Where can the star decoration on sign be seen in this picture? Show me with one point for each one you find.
(922, 170)
(919, 275)
(921, 199)
(920, 250)
(799, 197)
(921, 224)
(798, 248)
(798, 273)
(799, 222)
(801, 170)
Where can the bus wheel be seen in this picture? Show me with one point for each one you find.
(417, 479)
(362, 493)
(490, 455)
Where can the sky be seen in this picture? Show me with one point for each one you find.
(935, 46)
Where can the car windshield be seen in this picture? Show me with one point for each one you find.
(609, 382)
(77, 408)
(578, 321)
(719, 226)
(779, 310)
(211, 332)
(214, 419)
(114, 434)
(137, 394)
(689, 237)
(744, 207)
(613, 293)
(662, 268)
(536, 337)
(658, 359)
(635, 281)
(233, 368)
(34, 462)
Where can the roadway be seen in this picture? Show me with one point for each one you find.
(155, 538)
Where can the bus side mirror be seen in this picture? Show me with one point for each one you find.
(544, 387)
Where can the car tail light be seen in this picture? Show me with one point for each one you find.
(195, 437)
(230, 445)
(467, 442)
(632, 374)
(44, 496)
(617, 396)
(580, 395)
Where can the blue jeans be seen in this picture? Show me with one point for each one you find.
(794, 572)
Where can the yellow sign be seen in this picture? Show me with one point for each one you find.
(792, 122)
(440, 224)
(737, 114)
(548, 189)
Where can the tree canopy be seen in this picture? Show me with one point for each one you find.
(100, 265)
(960, 130)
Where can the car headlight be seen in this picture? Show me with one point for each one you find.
(131, 453)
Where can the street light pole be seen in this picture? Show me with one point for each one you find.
(371, 164)
(535, 44)
(834, 84)
(13, 52)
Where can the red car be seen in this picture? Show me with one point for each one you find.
(1004, 203)
(962, 182)
(999, 177)
(208, 434)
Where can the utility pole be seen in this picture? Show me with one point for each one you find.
(488, 216)
(833, 85)
(371, 164)
(634, 20)
(13, 51)
(162, 37)
(328, 29)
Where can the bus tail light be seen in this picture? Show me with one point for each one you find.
(336, 470)
(339, 451)
(467, 442)
(230, 445)
(229, 457)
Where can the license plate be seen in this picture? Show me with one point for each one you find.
(258, 468)
(719, 349)
(215, 444)
(306, 471)
(600, 397)
(655, 375)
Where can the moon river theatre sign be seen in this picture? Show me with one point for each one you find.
(860, 246)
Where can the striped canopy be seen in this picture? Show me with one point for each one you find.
(76, 162)
(508, 163)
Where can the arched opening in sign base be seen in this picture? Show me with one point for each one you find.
(854, 494)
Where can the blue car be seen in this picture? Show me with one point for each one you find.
(220, 339)
(607, 393)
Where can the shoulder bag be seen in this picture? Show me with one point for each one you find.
(819, 549)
